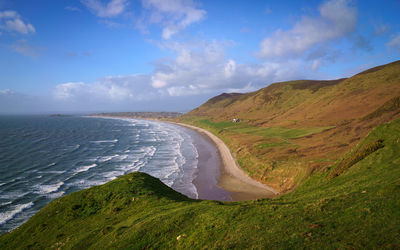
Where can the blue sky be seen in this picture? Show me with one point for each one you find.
(172, 55)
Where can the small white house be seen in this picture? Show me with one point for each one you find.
(236, 120)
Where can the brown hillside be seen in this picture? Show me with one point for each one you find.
(291, 129)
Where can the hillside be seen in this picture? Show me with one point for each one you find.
(357, 209)
(291, 130)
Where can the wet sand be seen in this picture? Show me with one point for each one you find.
(208, 175)
(225, 174)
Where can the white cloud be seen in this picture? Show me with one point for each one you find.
(8, 14)
(72, 8)
(230, 68)
(11, 21)
(395, 43)
(110, 88)
(68, 90)
(6, 92)
(202, 67)
(337, 18)
(185, 90)
(316, 64)
(112, 9)
(111, 24)
(173, 15)
(199, 69)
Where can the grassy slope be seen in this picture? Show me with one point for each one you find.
(358, 209)
(291, 130)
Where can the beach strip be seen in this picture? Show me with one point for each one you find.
(208, 170)
(231, 177)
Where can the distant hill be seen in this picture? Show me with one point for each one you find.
(288, 130)
(142, 115)
(309, 101)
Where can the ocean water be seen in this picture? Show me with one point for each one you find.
(43, 158)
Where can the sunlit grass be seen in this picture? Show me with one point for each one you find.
(279, 132)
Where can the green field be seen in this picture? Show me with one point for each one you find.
(272, 144)
(358, 209)
(284, 133)
(243, 128)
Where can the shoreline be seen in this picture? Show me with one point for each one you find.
(232, 178)
(220, 179)
(208, 169)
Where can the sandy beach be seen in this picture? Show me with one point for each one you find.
(219, 176)
(231, 177)
(208, 169)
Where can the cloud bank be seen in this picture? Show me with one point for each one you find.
(11, 21)
(336, 19)
(198, 69)
(172, 15)
(112, 9)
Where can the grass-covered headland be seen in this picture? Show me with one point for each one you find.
(358, 208)
(289, 131)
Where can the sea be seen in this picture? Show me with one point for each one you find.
(45, 157)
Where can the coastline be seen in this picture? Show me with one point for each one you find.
(232, 178)
(219, 176)
(208, 169)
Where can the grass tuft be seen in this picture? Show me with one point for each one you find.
(355, 157)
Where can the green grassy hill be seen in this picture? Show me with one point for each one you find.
(291, 130)
(358, 208)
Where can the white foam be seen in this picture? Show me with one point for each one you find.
(52, 172)
(113, 174)
(150, 151)
(106, 141)
(85, 168)
(169, 155)
(87, 183)
(51, 164)
(93, 159)
(72, 148)
(122, 157)
(50, 188)
(107, 158)
(6, 216)
(13, 195)
(56, 195)
(5, 203)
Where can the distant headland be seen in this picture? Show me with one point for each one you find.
(142, 115)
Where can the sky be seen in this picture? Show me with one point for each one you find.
(82, 56)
